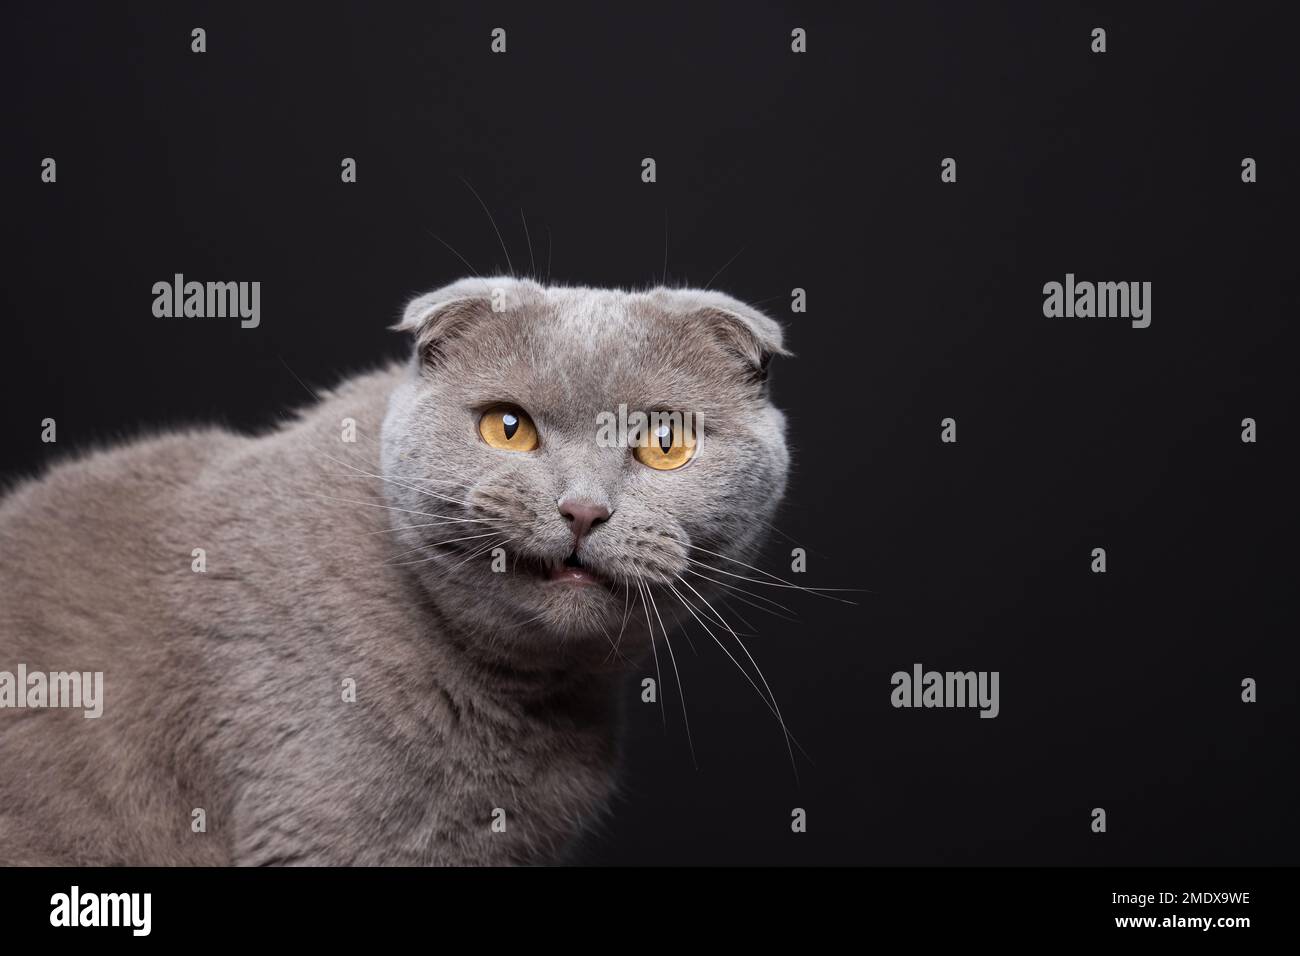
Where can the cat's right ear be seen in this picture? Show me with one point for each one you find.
(437, 318)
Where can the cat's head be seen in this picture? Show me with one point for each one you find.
(550, 507)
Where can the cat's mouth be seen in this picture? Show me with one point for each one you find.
(572, 571)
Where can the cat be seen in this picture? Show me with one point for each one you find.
(396, 629)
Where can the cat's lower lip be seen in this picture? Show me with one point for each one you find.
(569, 575)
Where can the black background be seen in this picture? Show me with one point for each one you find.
(818, 171)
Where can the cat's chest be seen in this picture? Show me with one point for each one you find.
(524, 793)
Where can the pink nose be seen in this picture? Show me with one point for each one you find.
(583, 516)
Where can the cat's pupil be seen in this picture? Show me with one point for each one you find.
(665, 438)
(510, 423)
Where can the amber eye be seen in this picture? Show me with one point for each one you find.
(670, 443)
(508, 427)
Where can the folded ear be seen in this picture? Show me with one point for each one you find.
(438, 317)
(750, 334)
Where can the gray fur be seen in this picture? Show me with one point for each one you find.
(475, 690)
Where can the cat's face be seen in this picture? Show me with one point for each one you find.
(540, 522)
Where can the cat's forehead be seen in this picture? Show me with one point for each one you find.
(584, 348)
(574, 350)
(585, 321)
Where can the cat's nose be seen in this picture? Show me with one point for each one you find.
(582, 517)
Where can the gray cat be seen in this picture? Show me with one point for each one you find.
(407, 648)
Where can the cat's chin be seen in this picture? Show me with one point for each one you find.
(588, 617)
(577, 601)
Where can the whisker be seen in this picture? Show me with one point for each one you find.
(773, 527)
(535, 617)
(371, 504)
(479, 553)
(691, 608)
(741, 590)
(727, 604)
(744, 673)
(664, 280)
(438, 544)
(532, 263)
(400, 484)
(721, 620)
(310, 390)
(658, 679)
(433, 524)
(609, 640)
(454, 252)
(757, 670)
(690, 742)
(510, 264)
(396, 478)
(783, 583)
(724, 266)
(626, 611)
